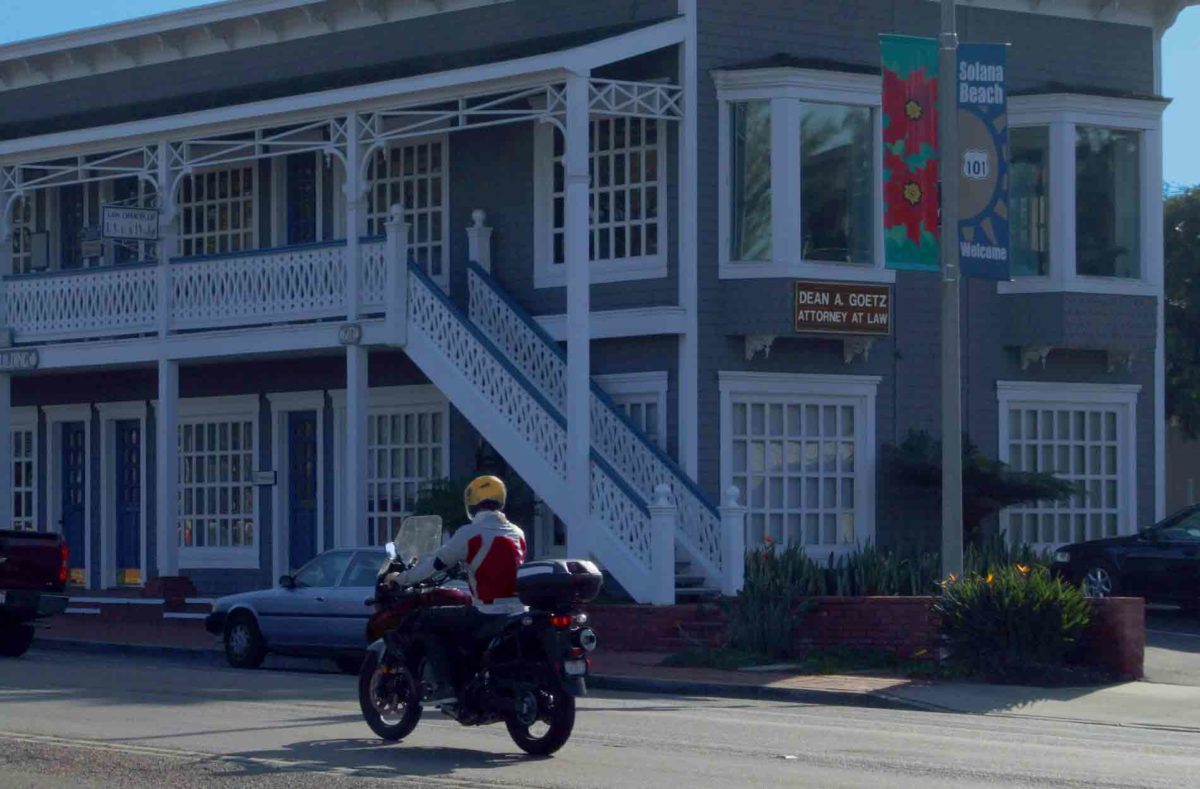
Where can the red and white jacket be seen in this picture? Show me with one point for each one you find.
(492, 548)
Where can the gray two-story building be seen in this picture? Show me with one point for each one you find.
(272, 267)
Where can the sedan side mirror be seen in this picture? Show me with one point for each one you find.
(287, 582)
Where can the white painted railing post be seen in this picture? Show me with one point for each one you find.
(662, 546)
(167, 236)
(355, 191)
(479, 241)
(733, 543)
(396, 260)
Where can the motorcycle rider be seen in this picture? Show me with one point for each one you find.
(492, 547)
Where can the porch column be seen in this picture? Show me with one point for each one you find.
(577, 259)
(354, 529)
(354, 190)
(168, 237)
(167, 455)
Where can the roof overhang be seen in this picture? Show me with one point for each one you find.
(1157, 14)
(392, 94)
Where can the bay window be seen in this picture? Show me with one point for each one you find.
(800, 162)
(1094, 165)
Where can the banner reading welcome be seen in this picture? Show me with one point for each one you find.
(910, 152)
(983, 146)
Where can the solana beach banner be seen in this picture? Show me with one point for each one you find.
(910, 152)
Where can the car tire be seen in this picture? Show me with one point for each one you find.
(244, 645)
(1100, 579)
(15, 639)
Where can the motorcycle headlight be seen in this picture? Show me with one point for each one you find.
(1062, 557)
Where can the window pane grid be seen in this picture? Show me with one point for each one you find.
(625, 198)
(797, 461)
(404, 454)
(217, 213)
(413, 176)
(24, 224)
(24, 460)
(1079, 445)
(216, 484)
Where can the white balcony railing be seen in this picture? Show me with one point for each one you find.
(289, 285)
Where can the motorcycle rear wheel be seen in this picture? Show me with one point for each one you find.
(390, 702)
(553, 726)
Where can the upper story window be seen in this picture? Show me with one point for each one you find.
(627, 167)
(413, 174)
(801, 179)
(24, 226)
(216, 210)
(1093, 164)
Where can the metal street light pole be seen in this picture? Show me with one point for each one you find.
(952, 547)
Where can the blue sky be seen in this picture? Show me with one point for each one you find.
(21, 19)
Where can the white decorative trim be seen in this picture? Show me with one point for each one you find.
(225, 405)
(756, 343)
(297, 401)
(67, 413)
(858, 389)
(127, 409)
(1145, 13)
(24, 417)
(1054, 392)
(785, 88)
(611, 324)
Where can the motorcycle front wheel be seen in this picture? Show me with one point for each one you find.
(390, 702)
(543, 721)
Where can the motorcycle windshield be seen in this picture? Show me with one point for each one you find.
(418, 535)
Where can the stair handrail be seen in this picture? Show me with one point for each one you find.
(697, 514)
(599, 463)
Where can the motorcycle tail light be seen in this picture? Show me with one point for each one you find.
(63, 571)
(561, 621)
(577, 652)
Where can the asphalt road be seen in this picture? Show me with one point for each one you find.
(1172, 647)
(83, 721)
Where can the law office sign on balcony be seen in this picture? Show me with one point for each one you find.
(130, 224)
(843, 308)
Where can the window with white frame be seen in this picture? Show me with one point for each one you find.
(405, 452)
(800, 174)
(216, 491)
(413, 174)
(802, 450)
(643, 398)
(24, 482)
(1095, 162)
(627, 168)
(1082, 433)
(24, 225)
(216, 211)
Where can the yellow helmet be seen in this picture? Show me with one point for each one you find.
(483, 489)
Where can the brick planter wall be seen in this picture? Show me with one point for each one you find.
(902, 625)
(1115, 641)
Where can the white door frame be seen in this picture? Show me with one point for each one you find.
(110, 414)
(282, 404)
(56, 416)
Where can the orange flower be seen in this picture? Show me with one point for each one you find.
(1023, 569)
(767, 539)
(990, 579)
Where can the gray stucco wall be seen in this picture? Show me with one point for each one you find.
(1082, 54)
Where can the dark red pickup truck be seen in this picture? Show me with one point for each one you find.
(33, 574)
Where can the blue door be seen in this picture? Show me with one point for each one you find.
(74, 484)
(302, 487)
(128, 497)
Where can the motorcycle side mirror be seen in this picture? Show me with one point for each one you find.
(391, 550)
(287, 582)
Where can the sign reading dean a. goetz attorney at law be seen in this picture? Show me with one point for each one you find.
(842, 308)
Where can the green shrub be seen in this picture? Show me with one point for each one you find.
(998, 552)
(764, 617)
(1015, 623)
(863, 571)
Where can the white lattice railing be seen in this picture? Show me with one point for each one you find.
(299, 283)
(522, 408)
(79, 305)
(372, 275)
(629, 451)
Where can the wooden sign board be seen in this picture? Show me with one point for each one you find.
(843, 308)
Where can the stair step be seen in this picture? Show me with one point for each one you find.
(697, 593)
(688, 581)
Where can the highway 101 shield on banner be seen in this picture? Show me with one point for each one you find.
(983, 150)
(910, 152)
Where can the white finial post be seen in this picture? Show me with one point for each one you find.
(396, 261)
(663, 516)
(733, 542)
(479, 241)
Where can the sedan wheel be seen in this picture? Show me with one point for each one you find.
(244, 646)
(1099, 582)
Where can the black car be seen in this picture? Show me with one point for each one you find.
(1161, 563)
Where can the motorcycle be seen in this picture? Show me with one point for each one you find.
(524, 670)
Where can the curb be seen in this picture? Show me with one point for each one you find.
(625, 684)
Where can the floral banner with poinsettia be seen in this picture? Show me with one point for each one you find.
(910, 152)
